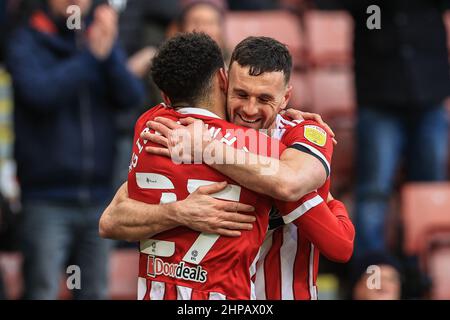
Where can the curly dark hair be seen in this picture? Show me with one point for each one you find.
(185, 65)
(263, 54)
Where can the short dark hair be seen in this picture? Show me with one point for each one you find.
(263, 54)
(185, 65)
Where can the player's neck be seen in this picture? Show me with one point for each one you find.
(220, 112)
(205, 106)
(213, 105)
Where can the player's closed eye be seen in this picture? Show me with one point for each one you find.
(241, 94)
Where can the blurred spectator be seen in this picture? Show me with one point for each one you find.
(402, 79)
(142, 28)
(376, 276)
(206, 16)
(144, 23)
(3, 6)
(9, 15)
(9, 190)
(67, 86)
(5, 137)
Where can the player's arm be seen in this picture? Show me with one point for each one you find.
(302, 167)
(288, 178)
(131, 220)
(297, 172)
(326, 225)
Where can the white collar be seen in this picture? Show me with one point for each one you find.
(198, 111)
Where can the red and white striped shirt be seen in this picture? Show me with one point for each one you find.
(289, 257)
(182, 263)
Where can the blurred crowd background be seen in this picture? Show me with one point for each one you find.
(69, 100)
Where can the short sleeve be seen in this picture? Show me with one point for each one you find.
(311, 138)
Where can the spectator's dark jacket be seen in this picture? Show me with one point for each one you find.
(253, 4)
(406, 62)
(64, 112)
(2, 28)
(144, 23)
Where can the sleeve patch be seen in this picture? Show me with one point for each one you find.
(316, 135)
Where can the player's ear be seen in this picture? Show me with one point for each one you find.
(166, 99)
(287, 96)
(223, 80)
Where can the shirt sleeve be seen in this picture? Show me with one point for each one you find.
(312, 138)
(327, 226)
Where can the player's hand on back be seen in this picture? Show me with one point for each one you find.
(301, 115)
(203, 213)
(181, 141)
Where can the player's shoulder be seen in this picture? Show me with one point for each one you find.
(312, 125)
(160, 110)
(311, 132)
(286, 122)
(151, 113)
(304, 130)
(315, 132)
(291, 125)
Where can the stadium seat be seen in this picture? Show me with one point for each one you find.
(343, 166)
(425, 210)
(122, 280)
(332, 91)
(426, 223)
(329, 36)
(301, 98)
(123, 274)
(278, 24)
(332, 95)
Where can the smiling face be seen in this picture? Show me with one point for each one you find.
(254, 101)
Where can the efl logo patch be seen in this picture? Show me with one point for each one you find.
(316, 135)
